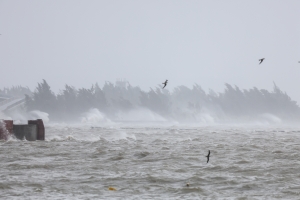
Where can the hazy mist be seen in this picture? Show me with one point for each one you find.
(122, 102)
(187, 42)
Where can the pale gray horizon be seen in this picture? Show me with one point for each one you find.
(209, 43)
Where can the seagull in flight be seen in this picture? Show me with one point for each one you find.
(165, 83)
(261, 60)
(208, 156)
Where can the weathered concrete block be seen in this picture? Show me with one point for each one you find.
(35, 130)
(28, 131)
(40, 127)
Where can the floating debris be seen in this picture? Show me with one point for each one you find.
(112, 188)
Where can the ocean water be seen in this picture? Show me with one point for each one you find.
(154, 161)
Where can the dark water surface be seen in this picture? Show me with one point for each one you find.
(153, 162)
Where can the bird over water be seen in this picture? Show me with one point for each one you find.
(261, 60)
(208, 156)
(165, 83)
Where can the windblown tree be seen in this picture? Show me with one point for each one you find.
(158, 101)
(99, 98)
(42, 99)
(283, 103)
(67, 102)
(15, 91)
(182, 104)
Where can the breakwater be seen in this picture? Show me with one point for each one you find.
(34, 130)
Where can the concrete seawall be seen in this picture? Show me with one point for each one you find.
(40, 128)
(26, 131)
(32, 131)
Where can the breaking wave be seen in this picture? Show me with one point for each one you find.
(140, 115)
(94, 116)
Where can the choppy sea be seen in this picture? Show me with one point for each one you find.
(154, 161)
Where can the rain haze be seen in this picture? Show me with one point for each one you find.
(149, 99)
(145, 42)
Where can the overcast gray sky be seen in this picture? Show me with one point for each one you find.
(145, 42)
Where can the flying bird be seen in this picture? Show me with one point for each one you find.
(165, 83)
(261, 60)
(208, 156)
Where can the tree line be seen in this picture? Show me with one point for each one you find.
(15, 91)
(184, 104)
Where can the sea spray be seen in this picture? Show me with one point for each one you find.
(270, 118)
(20, 116)
(94, 117)
(36, 114)
(4, 134)
(4, 116)
(140, 115)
